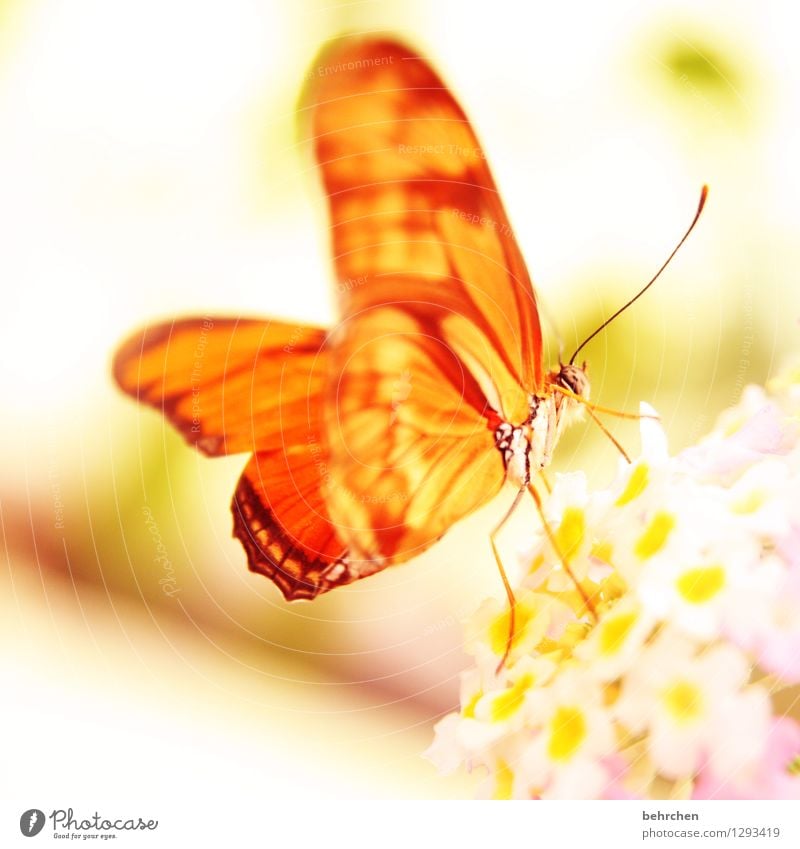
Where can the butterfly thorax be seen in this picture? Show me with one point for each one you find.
(528, 447)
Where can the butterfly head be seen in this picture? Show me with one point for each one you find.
(567, 407)
(574, 378)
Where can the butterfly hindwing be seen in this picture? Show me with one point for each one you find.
(410, 444)
(282, 520)
(230, 386)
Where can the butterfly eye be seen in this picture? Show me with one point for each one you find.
(573, 379)
(568, 381)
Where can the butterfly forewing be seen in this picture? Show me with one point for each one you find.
(415, 215)
(228, 385)
(439, 331)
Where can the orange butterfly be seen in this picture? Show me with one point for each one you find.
(369, 441)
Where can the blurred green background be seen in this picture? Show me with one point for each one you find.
(149, 167)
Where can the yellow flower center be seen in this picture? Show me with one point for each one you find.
(611, 693)
(614, 631)
(537, 563)
(603, 551)
(637, 483)
(750, 502)
(567, 733)
(683, 701)
(510, 701)
(700, 585)
(504, 781)
(734, 424)
(468, 711)
(655, 536)
(571, 531)
(529, 613)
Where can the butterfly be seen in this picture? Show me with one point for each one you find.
(368, 441)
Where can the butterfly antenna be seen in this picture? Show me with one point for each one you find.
(703, 196)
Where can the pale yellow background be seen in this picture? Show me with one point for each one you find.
(148, 167)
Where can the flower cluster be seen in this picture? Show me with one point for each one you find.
(657, 628)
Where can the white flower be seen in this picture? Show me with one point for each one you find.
(570, 513)
(630, 669)
(536, 616)
(693, 588)
(766, 619)
(445, 753)
(507, 708)
(683, 699)
(564, 760)
(460, 737)
(616, 640)
(762, 501)
(756, 428)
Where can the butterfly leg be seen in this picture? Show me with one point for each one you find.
(545, 481)
(512, 602)
(591, 408)
(620, 414)
(587, 601)
(607, 432)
